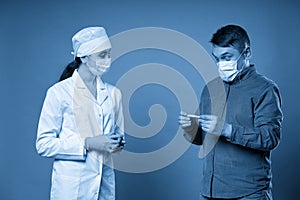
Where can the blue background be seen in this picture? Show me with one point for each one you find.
(35, 41)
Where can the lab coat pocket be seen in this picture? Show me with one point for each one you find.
(64, 187)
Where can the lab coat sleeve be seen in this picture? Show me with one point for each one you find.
(267, 123)
(49, 142)
(119, 130)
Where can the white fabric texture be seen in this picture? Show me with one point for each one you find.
(63, 125)
(89, 41)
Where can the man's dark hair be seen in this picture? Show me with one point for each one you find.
(231, 35)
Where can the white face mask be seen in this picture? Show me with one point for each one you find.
(228, 69)
(100, 67)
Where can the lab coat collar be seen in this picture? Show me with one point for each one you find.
(79, 84)
(101, 88)
(101, 91)
(100, 84)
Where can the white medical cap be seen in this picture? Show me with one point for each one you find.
(89, 41)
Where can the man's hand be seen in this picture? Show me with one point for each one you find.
(185, 121)
(189, 125)
(212, 125)
(208, 123)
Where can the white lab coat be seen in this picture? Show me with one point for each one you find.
(69, 114)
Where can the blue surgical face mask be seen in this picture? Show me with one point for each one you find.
(101, 66)
(228, 70)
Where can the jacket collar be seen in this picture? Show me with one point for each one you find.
(245, 74)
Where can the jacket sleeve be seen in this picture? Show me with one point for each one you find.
(267, 123)
(49, 142)
(193, 134)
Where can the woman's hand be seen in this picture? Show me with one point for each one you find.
(102, 143)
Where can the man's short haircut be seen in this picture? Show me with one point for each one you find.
(231, 36)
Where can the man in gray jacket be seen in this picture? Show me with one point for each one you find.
(242, 109)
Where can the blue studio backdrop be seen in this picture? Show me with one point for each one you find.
(35, 46)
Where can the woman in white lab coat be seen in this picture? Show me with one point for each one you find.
(81, 123)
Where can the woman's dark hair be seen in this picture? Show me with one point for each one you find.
(70, 68)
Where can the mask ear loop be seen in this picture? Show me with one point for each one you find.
(241, 54)
(84, 59)
(244, 51)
